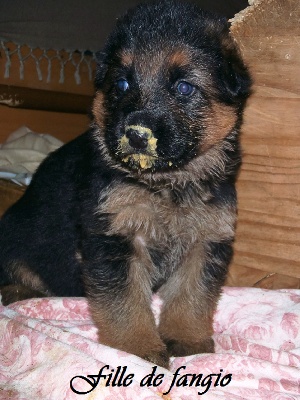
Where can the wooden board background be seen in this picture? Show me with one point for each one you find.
(267, 248)
(63, 125)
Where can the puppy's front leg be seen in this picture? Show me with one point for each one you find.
(190, 299)
(118, 287)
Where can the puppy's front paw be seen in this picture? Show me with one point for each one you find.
(180, 349)
(160, 358)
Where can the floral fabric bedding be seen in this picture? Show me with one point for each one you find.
(49, 351)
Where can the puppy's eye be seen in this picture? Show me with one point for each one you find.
(122, 85)
(185, 88)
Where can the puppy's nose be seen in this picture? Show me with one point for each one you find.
(136, 138)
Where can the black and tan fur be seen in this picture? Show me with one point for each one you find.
(145, 200)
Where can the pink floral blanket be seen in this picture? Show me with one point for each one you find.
(49, 350)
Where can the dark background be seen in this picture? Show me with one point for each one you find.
(77, 24)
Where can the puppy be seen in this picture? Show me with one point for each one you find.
(145, 200)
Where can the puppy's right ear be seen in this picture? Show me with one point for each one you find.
(234, 74)
(101, 69)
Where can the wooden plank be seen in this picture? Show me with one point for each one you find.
(36, 99)
(64, 126)
(240, 275)
(268, 229)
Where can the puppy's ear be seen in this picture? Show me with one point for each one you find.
(234, 74)
(101, 69)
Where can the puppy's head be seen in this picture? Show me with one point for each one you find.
(170, 87)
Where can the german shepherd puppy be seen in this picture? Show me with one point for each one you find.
(145, 200)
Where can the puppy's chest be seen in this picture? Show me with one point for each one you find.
(155, 219)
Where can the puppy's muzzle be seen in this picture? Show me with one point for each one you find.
(138, 136)
(138, 146)
(137, 139)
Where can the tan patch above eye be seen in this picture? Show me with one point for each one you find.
(126, 58)
(179, 58)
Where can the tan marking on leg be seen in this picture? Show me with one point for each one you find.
(21, 273)
(187, 316)
(126, 321)
(12, 293)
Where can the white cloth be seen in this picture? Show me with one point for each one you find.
(23, 152)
